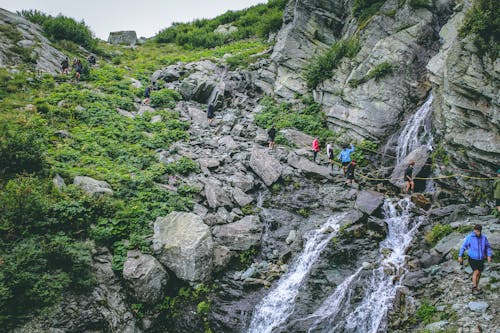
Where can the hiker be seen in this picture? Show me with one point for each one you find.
(65, 66)
(91, 59)
(329, 153)
(210, 113)
(345, 156)
(77, 65)
(147, 94)
(477, 247)
(272, 135)
(410, 184)
(496, 187)
(350, 173)
(315, 148)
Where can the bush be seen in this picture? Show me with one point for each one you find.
(425, 312)
(321, 66)
(164, 98)
(483, 22)
(383, 69)
(363, 9)
(437, 233)
(184, 166)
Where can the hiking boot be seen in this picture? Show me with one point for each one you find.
(476, 291)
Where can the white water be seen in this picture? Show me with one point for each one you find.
(336, 314)
(277, 306)
(417, 131)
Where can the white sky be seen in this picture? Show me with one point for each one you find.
(146, 17)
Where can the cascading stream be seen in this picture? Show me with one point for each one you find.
(369, 315)
(417, 131)
(277, 306)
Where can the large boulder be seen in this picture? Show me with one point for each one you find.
(241, 198)
(308, 167)
(92, 186)
(265, 166)
(183, 244)
(240, 235)
(123, 37)
(216, 195)
(369, 201)
(298, 138)
(419, 156)
(145, 276)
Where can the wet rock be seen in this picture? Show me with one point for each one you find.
(92, 186)
(240, 235)
(145, 276)
(369, 201)
(265, 166)
(183, 243)
(421, 201)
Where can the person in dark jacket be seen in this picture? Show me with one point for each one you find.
(65, 66)
(345, 157)
(272, 135)
(496, 190)
(77, 65)
(478, 248)
(147, 94)
(410, 184)
(210, 113)
(350, 173)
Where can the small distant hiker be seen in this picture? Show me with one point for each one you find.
(350, 172)
(65, 66)
(329, 153)
(272, 135)
(210, 113)
(478, 248)
(345, 156)
(77, 65)
(315, 148)
(147, 94)
(496, 188)
(410, 184)
(91, 59)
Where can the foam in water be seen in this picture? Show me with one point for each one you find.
(417, 131)
(277, 306)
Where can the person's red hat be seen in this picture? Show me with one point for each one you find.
(354, 161)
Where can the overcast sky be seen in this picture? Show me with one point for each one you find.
(146, 17)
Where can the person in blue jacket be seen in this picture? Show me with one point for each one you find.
(478, 248)
(345, 156)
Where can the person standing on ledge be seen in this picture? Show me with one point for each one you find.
(345, 156)
(350, 173)
(315, 148)
(272, 135)
(478, 248)
(410, 184)
(329, 153)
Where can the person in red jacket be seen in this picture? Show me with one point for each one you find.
(315, 148)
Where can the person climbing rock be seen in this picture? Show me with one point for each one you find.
(315, 148)
(210, 113)
(478, 248)
(147, 94)
(350, 173)
(91, 59)
(345, 156)
(272, 135)
(496, 189)
(65, 66)
(329, 153)
(410, 184)
(77, 65)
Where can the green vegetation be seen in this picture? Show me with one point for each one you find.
(164, 98)
(62, 28)
(425, 312)
(363, 9)
(245, 258)
(321, 66)
(421, 3)
(259, 20)
(363, 150)
(309, 119)
(186, 296)
(437, 233)
(381, 70)
(483, 22)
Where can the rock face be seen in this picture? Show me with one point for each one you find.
(93, 186)
(183, 243)
(467, 107)
(27, 36)
(122, 37)
(265, 166)
(369, 201)
(145, 276)
(419, 156)
(308, 167)
(240, 235)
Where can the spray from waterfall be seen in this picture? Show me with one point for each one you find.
(279, 304)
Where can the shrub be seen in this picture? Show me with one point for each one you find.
(363, 9)
(164, 98)
(483, 22)
(437, 233)
(383, 69)
(184, 166)
(321, 66)
(421, 4)
(425, 312)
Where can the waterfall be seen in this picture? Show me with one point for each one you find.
(336, 314)
(277, 306)
(417, 131)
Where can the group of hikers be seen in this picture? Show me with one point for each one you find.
(77, 66)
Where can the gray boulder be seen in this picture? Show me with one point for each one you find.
(298, 138)
(226, 29)
(265, 166)
(369, 201)
(243, 181)
(478, 306)
(240, 235)
(448, 243)
(123, 37)
(198, 116)
(58, 182)
(216, 195)
(183, 243)
(419, 156)
(241, 198)
(145, 276)
(308, 167)
(92, 186)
